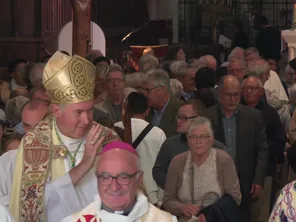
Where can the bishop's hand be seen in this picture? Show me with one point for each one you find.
(92, 144)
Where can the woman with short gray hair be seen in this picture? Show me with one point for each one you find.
(147, 62)
(201, 177)
(135, 80)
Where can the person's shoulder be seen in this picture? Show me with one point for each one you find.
(249, 111)
(157, 131)
(172, 139)
(179, 159)
(176, 102)
(223, 156)
(8, 157)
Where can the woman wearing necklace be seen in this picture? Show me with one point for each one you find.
(203, 180)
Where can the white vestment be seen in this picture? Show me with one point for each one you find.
(141, 209)
(61, 197)
(4, 215)
(274, 87)
(148, 150)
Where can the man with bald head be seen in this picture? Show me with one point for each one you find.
(242, 130)
(208, 61)
(33, 112)
(252, 92)
(119, 198)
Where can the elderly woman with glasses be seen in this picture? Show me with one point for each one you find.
(203, 180)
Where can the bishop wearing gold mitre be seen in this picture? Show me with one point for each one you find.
(51, 175)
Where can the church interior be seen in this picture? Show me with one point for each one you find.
(147, 110)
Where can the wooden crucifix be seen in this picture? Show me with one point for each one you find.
(82, 10)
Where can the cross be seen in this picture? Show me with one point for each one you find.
(82, 10)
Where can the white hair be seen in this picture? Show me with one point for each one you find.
(147, 62)
(208, 61)
(236, 60)
(176, 88)
(135, 79)
(258, 68)
(114, 68)
(158, 77)
(258, 81)
(36, 73)
(237, 52)
(176, 66)
(198, 121)
(251, 50)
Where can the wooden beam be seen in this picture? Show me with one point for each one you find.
(82, 10)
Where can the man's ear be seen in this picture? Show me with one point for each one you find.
(56, 110)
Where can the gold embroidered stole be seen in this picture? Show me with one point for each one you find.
(39, 157)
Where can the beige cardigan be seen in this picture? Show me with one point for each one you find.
(227, 177)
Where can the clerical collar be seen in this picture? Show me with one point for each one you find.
(67, 140)
(124, 212)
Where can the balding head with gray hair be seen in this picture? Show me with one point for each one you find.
(237, 52)
(147, 62)
(251, 54)
(208, 61)
(158, 77)
(259, 68)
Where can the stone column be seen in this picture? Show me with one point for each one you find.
(81, 26)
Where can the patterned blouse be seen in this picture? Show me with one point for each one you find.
(285, 207)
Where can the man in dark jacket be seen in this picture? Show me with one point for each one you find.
(242, 130)
(252, 92)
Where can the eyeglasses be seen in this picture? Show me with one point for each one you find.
(251, 88)
(117, 80)
(147, 90)
(106, 179)
(233, 71)
(201, 138)
(184, 118)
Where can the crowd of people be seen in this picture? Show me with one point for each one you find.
(207, 138)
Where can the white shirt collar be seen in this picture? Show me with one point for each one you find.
(70, 143)
(140, 208)
(15, 86)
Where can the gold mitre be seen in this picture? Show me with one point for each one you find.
(69, 79)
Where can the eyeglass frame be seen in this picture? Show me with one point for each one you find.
(130, 176)
(202, 138)
(185, 118)
(151, 89)
(114, 80)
